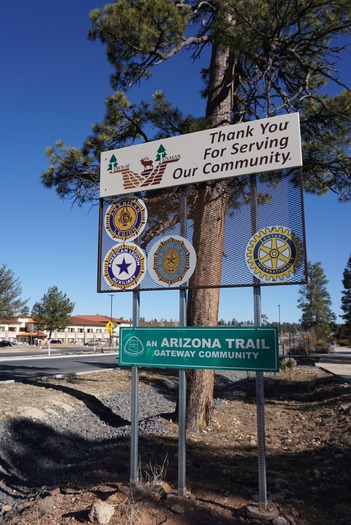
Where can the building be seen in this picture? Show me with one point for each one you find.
(81, 330)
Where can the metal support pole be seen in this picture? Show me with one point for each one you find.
(262, 477)
(181, 373)
(111, 295)
(134, 449)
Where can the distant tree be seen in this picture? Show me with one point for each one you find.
(264, 319)
(346, 299)
(52, 311)
(10, 294)
(290, 328)
(24, 310)
(315, 303)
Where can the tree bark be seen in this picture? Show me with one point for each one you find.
(208, 237)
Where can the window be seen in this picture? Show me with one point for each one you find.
(81, 330)
(71, 329)
(2, 329)
(90, 330)
(12, 329)
(98, 331)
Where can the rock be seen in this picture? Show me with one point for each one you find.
(178, 509)
(280, 521)
(164, 487)
(277, 497)
(6, 508)
(101, 512)
(262, 514)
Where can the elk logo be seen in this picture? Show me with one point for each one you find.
(146, 162)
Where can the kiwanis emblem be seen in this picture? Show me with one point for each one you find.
(171, 261)
(124, 266)
(125, 218)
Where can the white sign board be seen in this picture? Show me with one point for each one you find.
(229, 151)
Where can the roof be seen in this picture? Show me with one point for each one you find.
(95, 320)
(159, 323)
(31, 334)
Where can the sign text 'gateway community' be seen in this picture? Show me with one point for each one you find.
(244, 348)
(229, 151)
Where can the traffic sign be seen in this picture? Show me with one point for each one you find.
(233, 348)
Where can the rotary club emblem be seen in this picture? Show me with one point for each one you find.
(125, 219)
(274, 254)
(124, 266)
(171, 261)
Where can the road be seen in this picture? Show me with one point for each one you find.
(20, 368)
(338, 363)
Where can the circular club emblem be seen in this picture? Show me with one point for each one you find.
(171, 261)
(273, 254)
(124, 266)
(126, 218)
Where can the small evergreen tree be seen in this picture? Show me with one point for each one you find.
(346, 299)
(10, 294)
(52, 311)
(315, 303)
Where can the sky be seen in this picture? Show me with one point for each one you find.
(54, 85)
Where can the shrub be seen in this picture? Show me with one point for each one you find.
(287, 362)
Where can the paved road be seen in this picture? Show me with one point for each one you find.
(338, 363)
(20, 368)
(34, 351)
(20, 365)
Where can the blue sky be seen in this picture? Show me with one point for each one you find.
(54, 83)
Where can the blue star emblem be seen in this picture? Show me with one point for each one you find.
(123, 267)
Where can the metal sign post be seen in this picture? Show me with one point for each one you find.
(262, 478)
(181, 373)
(134, 452)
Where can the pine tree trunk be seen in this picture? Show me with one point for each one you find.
(208, 242)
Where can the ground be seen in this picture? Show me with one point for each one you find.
(308, 455)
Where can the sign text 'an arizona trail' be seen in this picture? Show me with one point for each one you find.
(244, 348)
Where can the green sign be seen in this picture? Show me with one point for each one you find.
(243, 348)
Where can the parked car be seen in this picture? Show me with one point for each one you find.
(55, 342)
(5, 343)
(96, 342)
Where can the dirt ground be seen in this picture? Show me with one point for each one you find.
(308, 456)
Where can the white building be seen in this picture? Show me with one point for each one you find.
(81, 330)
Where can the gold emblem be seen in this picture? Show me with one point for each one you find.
(126, 218)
